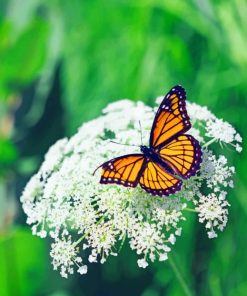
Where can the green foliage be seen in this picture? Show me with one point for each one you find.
(108, 50)
(23, 263)
(22, 56)
(8, 154)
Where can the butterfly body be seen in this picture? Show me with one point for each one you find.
(150, 154)
(171, 156)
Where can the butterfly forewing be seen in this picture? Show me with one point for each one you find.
(124, 170)
(171, 118)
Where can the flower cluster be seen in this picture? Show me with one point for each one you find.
(213, 209)
(65, 201)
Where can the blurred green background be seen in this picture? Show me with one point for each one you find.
(61, 62)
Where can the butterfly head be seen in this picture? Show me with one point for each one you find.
(144, 149)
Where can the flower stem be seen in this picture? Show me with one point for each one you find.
(209, 142)
(180, 278)
(85, 234)
(190, 210)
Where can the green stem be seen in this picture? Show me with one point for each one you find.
(209, 142)
(190, 210)
(85, 234)
(179, 277)
(122, 242)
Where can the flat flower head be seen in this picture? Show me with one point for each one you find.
(214, 210)
(88, 220)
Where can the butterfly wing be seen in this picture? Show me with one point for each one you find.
(171, 118)
(124, 170)
(129, 170)
(183, 154)
(157, 181)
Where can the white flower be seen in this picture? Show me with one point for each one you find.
(64, 255)
(216, 172)
(200, 113)
(172, 239)
(83, 218)
(220, 130)
(119, 106)
(82, 269)
(213, 210)
(163, 257)
(212, 234)
(178, 231)
(54, 156)
(142, 263)
(238, 138)
(238, 148)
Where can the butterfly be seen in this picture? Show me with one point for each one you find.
(172, 155)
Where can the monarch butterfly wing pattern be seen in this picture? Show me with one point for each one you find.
(183, 154)
(155, 180)
(177, 154)
(124, 170)
(171, 117)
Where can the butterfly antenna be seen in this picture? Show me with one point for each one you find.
(141, 132)
(124, 144)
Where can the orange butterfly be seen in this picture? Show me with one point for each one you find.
(172, 155)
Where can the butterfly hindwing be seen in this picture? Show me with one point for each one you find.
(157, 181)
(124, 170)
(183, 154)
(171, 118)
